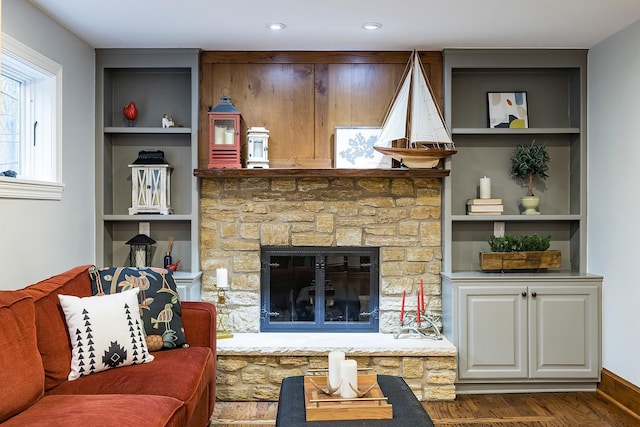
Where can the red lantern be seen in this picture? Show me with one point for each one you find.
(224, 135)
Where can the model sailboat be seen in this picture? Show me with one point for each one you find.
(415, 120)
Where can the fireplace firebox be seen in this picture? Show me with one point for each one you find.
(319, 289)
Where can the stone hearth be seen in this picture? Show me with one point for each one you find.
(252, 366)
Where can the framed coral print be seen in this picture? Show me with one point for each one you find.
(354, 148)
(508, 110)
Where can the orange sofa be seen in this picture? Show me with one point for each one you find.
(176, 389)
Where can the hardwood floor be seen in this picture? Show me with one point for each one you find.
(501, 410)
(531, 409)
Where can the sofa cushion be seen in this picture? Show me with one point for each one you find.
(53, 336)
(183, 373)
(106, 332)
(158, 300)
(102, 411)
(21, 371)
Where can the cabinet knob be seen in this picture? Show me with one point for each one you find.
(524, 294)
(534, 294)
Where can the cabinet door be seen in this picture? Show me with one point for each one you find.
(493, 331)
(564, 331)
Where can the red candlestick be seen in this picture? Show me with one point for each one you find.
(418, 308)
(421, 295)
(404, 294)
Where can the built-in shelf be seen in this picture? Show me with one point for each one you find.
(507, 131)
(493, 218)
(160, 81)
(328, 172)
(147, 217)
(555, 83)
(143, 129)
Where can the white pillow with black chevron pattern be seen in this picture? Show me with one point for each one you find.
(106, 332)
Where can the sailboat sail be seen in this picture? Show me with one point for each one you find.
(430, 127)
(414, 108)
(395, 125)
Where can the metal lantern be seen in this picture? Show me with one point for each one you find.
(150, 184)
(140, 251)
(224, 135)
(257, 148)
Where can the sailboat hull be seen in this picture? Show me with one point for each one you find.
(416, 158)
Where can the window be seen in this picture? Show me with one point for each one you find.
(30, 124)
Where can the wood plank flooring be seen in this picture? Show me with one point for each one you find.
(501, 410)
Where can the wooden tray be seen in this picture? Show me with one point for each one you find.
(319, 406)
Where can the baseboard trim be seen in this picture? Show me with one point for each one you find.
(619, 392)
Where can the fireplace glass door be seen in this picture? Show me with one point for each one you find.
(319, 289)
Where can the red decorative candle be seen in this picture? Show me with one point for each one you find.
(421, 295)
(404, 294)
(418, 307)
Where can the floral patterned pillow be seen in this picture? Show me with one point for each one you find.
(158, 301)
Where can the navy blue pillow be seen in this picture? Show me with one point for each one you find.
(158, 300)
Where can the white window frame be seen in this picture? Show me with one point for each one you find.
(50, 137)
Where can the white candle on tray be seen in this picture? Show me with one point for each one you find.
(335, 358)
(485, 188)
(349, 376)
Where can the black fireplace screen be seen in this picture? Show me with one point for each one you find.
(319, 289)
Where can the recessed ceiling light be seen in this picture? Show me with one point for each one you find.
(276, 26)
(371, 25)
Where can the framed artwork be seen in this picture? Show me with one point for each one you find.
(508, 110)
(354, 148)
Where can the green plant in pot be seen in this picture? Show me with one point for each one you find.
(530, 161)
(526, 243)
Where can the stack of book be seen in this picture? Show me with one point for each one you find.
(484, 207)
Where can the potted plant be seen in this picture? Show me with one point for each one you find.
(530, 161)
(519, 253)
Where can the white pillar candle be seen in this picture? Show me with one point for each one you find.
(221, 277)
(219, 135)
(228, 137)
(335, 358)
(485, 188)
(349, 376)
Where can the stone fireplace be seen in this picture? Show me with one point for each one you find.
(401, 216)
(398, 215)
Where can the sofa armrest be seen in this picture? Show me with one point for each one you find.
(199, 319)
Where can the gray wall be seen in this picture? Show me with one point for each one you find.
(41, 238)
(613, 196)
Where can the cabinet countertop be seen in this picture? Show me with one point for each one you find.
(521, 277)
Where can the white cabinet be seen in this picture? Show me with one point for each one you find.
(524, 331)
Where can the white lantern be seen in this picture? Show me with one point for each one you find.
(150, 184)
(257, 148)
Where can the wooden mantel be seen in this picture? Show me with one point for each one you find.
(325, 172)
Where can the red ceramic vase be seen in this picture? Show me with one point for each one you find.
(130, 111)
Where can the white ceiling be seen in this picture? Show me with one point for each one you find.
(337, 24)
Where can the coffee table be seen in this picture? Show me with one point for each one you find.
(407, 410)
